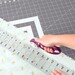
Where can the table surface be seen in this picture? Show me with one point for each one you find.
(55, 16)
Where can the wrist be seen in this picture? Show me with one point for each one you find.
(58, 40)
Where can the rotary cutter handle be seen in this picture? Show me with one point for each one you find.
(56, 50)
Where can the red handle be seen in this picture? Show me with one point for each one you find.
(56, 50)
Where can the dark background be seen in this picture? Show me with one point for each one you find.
(56, 16)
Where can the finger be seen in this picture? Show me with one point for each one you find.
(50, 50)
(56, 72)
(45, 48)
(53, 73)
(62, 73)
(40, 41)
(37, 39)
(58, 45)
(41, 46)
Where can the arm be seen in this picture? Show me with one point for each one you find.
(67, 40)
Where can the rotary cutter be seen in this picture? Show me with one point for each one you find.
(56, 50)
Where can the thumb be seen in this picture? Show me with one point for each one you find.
(37, 39)
(58, 45)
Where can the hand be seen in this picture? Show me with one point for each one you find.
(48, 40)
(57, 72)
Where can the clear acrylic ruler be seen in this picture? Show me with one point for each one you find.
(15, 41)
